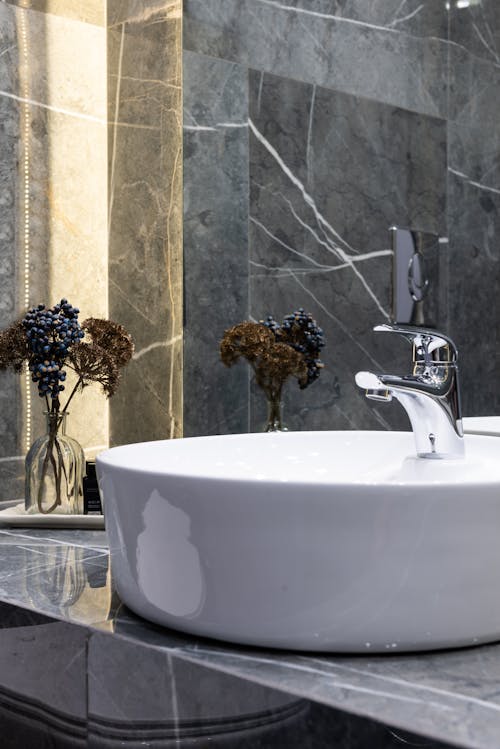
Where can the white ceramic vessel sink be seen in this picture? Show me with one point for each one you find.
(482, 425)
(333, 541)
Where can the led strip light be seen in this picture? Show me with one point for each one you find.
(25, 134)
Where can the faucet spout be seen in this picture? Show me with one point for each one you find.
(430, 395)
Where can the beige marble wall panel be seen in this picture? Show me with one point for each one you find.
(142, 11)
(78, 248)
(145, 217)
(68, 187)
(87, 11)
(72, 77)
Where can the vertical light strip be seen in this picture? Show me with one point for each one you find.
(25, 181)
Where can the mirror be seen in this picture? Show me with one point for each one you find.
(309, 128)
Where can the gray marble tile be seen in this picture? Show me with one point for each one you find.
(337, 53)
(145, 223)
(474, 142)
(11, 477)
(474, 275)
(15, 616)
(9, 75)
(329, 174)
(43, 699)
(10, 486)
(46, 664)
(215, 240)
(476, 26)
(473, 208)
(411, 16)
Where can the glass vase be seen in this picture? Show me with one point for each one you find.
(274, 421)
(55, 465)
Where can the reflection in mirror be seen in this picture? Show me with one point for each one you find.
(90, 204)
(418, 278)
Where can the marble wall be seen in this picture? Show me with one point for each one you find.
(90, 204)
(310, 127)
(145, 212)
(53, 191)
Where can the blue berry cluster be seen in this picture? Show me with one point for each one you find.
(50, 334)
(300, 331)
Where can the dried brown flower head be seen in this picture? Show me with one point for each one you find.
(247, 339)
(272, 362)
(13, 347)
(112, 337)
(276, 364)
(93, 364)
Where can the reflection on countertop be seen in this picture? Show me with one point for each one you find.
(448, 696)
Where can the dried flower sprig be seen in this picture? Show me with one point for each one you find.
(267, 346)
(50, 341)
(111, 337)
(300, 331)
(13, 347)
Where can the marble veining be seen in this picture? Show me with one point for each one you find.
(476, 27)
(145, 213)
(361, 116)
(449, 696)
(316, 46)
(216, 188)
(314, 155)
(52, 114)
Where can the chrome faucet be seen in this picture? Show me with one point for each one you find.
(430, 395)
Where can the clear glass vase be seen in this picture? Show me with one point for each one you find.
(55, 466)
(274, 421)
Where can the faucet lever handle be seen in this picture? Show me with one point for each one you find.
(429, 346)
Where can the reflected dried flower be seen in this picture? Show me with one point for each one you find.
(272, 362)
(275, 365)
(247, 339)
(300, 331)
(112, 337)
(13, 347)
(93, 364)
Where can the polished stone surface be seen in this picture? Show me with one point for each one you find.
(59, 218)
(91, 11)
(145, 214)
(388, 64)
(53, 204)
(412, 16)
(63, 686)
(448, 696)
(476, 27)
(474, 207)
(362, 115)
(11, 468)
(314, 154)
(215, 240)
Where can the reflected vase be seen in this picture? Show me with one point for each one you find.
(55, 466)
(274, 421)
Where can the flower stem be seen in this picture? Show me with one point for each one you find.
(80, 382)
(49, 456)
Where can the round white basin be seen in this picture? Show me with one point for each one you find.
(482, 425)
(332, 541)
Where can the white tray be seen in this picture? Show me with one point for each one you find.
(16, 517)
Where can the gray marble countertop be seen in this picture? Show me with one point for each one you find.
(451, 696)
